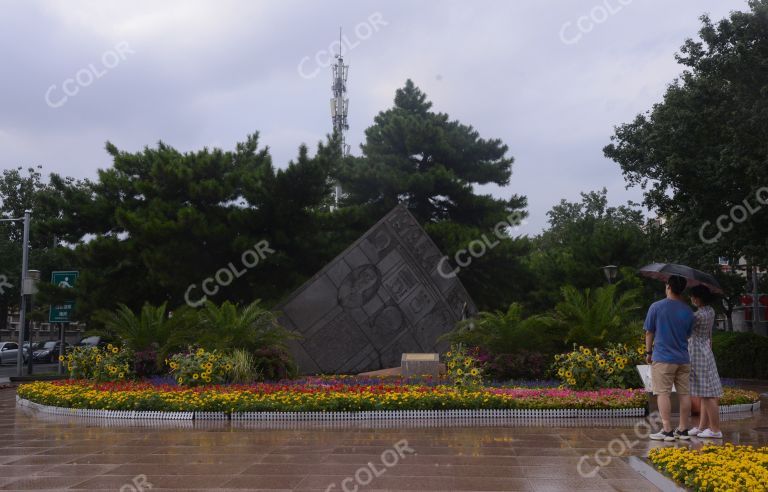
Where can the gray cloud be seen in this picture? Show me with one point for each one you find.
(209, 72)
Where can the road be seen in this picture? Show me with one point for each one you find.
(7, 370)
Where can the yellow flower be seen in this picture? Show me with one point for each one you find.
(474, 372)
(572, 381)
(568, 374)
(195, 376)
(200, 351)
(467, 362)
(180, 380)
(109, 346)
(459, 372)
(561, 372)
(61, 358)
(114, 350)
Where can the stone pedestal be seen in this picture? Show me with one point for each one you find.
(420, 365)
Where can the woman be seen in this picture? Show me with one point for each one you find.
(705, 381)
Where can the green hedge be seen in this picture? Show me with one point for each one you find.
(741, 355)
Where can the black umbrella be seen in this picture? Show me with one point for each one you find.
(662, 271)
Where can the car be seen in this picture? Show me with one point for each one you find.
(9, 352)
(49, 351)
(93, 341)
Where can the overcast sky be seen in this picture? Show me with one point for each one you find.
(550, 78)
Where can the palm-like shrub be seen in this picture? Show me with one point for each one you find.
(595, 318)
(506, 332)
(227, 327)
(151, 332)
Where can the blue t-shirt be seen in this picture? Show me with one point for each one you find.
(671, 322)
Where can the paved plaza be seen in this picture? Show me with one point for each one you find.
(44, 452)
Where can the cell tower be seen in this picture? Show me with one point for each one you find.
(340, 107)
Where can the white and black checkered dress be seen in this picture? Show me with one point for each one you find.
(705, 381)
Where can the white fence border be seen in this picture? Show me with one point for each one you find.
(392, 416)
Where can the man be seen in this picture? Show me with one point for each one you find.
(667, 327)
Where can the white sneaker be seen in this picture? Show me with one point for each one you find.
(663, 436)
(694, 432)
(706, 433)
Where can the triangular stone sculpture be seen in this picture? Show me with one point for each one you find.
(382, 297)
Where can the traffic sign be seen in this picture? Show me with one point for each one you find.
(62, 313)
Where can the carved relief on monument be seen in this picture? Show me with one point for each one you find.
(376, 300)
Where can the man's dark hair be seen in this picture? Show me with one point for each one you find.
(703, 293)
(677, 284)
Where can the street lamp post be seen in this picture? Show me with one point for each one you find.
(23, 306)
(30, 289)
(610, 272)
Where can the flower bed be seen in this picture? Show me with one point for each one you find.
(736, 396)
(715, 468)
(318, 397)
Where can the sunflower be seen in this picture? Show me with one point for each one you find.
(459, 372)
(115, 350)
(195, 376)
(474, 372)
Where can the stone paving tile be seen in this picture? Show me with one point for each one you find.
(568, 484)
(52, 453)
(35, 483)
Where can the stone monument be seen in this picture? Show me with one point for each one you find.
(382, 297)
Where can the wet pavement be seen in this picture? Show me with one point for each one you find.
(43, 452)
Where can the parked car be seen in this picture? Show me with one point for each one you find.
(9, 352)
(49, 351)
(93, 341)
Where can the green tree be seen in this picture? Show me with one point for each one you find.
(582, 238)
(423, 159)
(158, 222)
(20, 191)
(703, 149)
(432, 164)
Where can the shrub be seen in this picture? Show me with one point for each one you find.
(506, 332)
(523, 364)
(741, 355)
(198, 367)
(597, 317)
(613, 367)
(274, 363)
(462, 367)
(110, 363)
(145, 363)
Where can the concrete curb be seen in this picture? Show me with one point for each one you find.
(664, 483)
